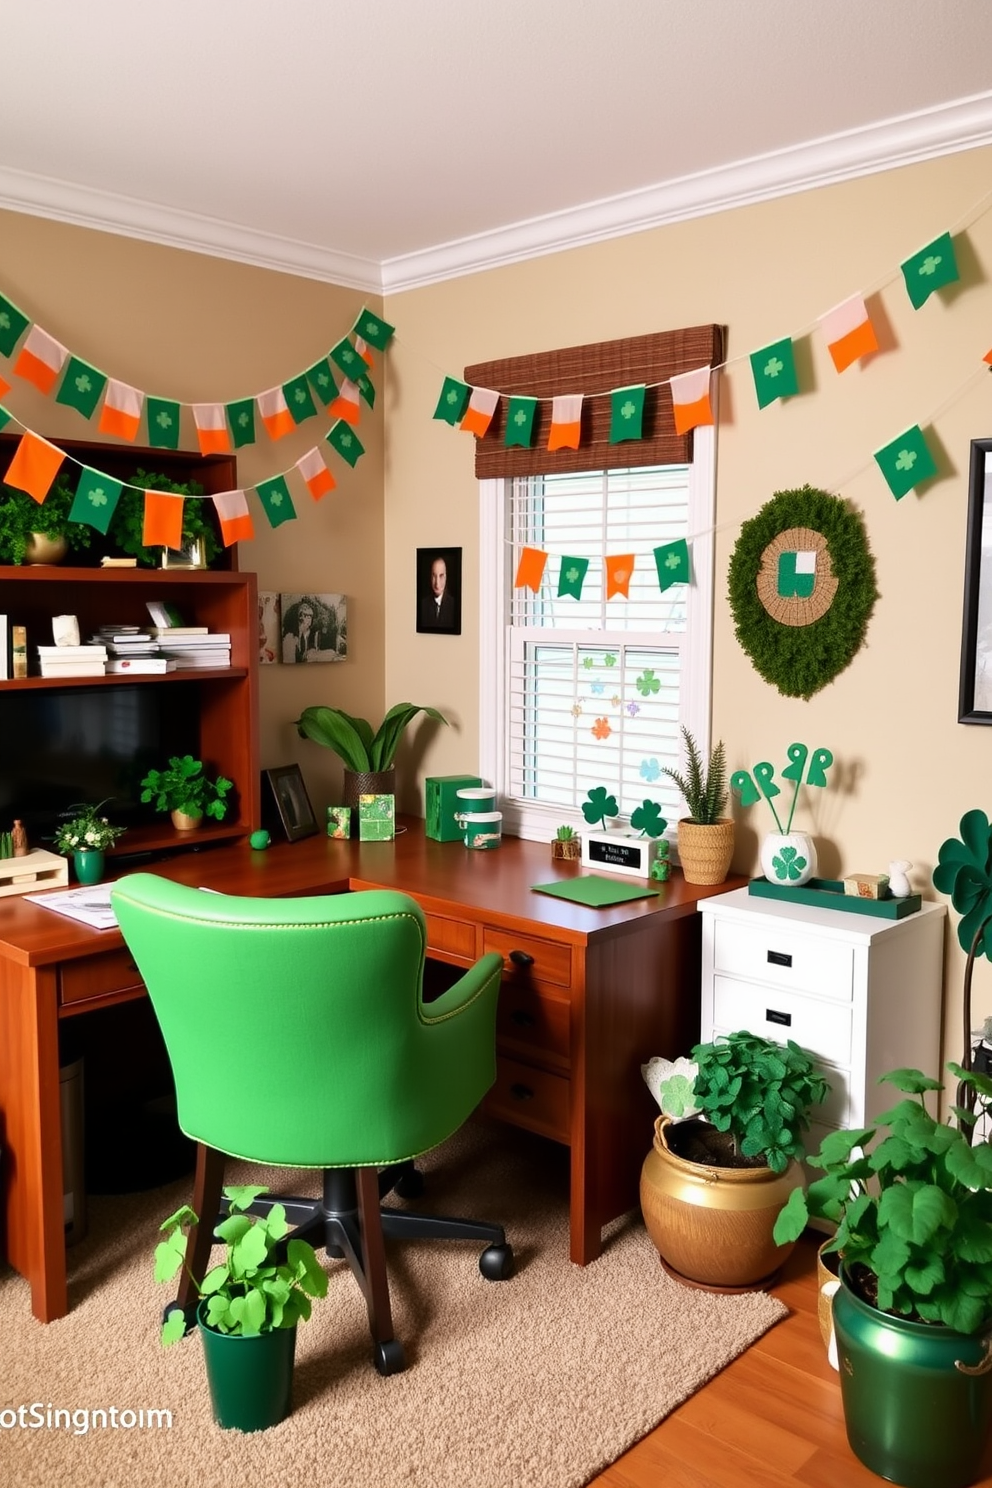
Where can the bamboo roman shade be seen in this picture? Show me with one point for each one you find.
(597, 368)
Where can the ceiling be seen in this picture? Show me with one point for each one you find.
(386, 143)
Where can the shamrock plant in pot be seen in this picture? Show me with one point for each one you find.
(368, 755)
(705, 835)
(727, 1154)
(250, 1304)
(187, 792)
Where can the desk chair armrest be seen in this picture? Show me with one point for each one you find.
(480, 981)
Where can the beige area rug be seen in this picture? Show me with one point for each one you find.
(538, 1382)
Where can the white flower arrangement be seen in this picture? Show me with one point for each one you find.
(87, 830)
(672, 1082)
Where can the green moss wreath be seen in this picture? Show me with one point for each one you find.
(800, 659)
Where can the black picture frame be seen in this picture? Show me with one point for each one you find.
(975, 686)
(450, 620)
(292, 804)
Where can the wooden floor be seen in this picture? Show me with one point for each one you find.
(771, 1419)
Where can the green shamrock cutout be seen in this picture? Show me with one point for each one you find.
(963, 872)
(599, 806)
(648, 820)
(788, 864)
(647, 683)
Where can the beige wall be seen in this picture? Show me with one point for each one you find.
(186, 326)
(906, 770)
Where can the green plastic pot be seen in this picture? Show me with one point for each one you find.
(89, 864)
(912, 1416)
(250, 1378)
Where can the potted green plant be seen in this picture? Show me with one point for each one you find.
(250, 1304)
(23, 520)
(186, 792)
(368, 755)
(705, 836)
(127, 523)
(566, 843)
(912, 1201)
(727, 1154)
(85, 836)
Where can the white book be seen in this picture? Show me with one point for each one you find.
(189, 663)
(73, 669)
(177, 630)
(67, 653)
(197, 639)
(118, 664)
(4, 648)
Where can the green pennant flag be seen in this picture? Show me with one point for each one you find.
(13, 323)
(572, 576)
(163, 423)
(322, 380)
(930, 269)
(5, 417)
(276, 500)
(241, 421)
(520, 415)
(453, 398)
(298, 399)
(774, 371)
(346, 357)
(95, 500)
(672, 562)
(373, 329)
(906, 462)
(81, 387)
(365, 387)
(626, 413)
(796, 577)
(343, 438)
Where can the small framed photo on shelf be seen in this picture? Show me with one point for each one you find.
(289, 795)
(192, 556)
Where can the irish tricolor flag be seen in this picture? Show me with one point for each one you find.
(691, 399)
(314, 471)
(566, 421)
(480, 410)
(345, 405)
(234, 517)
(41, 359)
(274, 412)
(211, 428)
(121, 412)
(163, 520)
(848, 332)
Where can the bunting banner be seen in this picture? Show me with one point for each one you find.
(479, 414)
(906, 462)
(566, 422)
(95, 500)
(298, 399)
(163, 520)
(848, 332)
(571, 577)
(691, 400)
(627, 413)
(40, 360)
(241, 421)
(276, 501)
(672, 562)
(520, 415)
(233, 516)
(121, 413)
(34, 466)
(530, 569)
(619, 572)
(81, 387)
(347, 443)
(930, 269)
(274, 413)
(452, 399)
(211, 428)
(13, 324)
(373, 329)
(345, 405)
(773, 369)
(313, 468)
(344, 356)
(163, 423)
(322, 380)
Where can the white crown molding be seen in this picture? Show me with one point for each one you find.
(963, 125)
(105, 211)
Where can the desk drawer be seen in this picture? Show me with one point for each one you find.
(531, 1098)
(530, 958)
(533, 1025)
(451, 937)
(98, 976)
(776, 955)
(822, 1028)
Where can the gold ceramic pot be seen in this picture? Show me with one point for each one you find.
(183, 822)
(42, 549)
(713, 1226)
(705, 850)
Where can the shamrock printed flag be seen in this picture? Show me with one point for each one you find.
(906, 462)
(34, 466)
(345, 405)
(81, 387)
(796, 573)
(95, 500)
(276, 500)
(376, 331)
(274, 413)
(691, 399)
(774, 371)
(347, 358)
(323, 382)
(314, 471)
(930, 269)
(849, 332)
(520, 422)
(346, 442)
(672, 562)
(234, 517)
(163, 521)
(619, 572)
(530, 569)
(241, 421)
(41, 359)
(163, 423)
(571, 577)
(479, 414)
(626, 413)
(13, 324)
(298, 399)
(451, 402)
(366, 387)
(566, 422)
(211, 428)
(121, 412)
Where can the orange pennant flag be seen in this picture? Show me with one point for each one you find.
(121, 412)
(163, 524)
(619, 571)
(480, 410)
(530, 569)
(314, 471)
(34, 466)
(566, 422)
(41, 359)
(849, 332)
(211, 428)
(345, 405)
(235, 520)
(986, 358)
(691, 399)
(5, 386)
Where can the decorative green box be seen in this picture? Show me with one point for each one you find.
(339, 821)
(441, 803)
(376, 818)
(828, 893)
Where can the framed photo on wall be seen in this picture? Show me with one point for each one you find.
(439, 591)
(975, 689)
(292, 804)
(314, 627)
(268, 627)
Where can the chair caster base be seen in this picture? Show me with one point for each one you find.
(496, 1262)
(410, 1185)
(389, 1357)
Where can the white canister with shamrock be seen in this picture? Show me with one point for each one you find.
(788, 858)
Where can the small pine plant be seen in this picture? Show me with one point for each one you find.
(704, 790)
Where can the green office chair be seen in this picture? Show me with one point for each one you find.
(299, 1037)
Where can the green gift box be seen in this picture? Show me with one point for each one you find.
(441, 803)
(376, 818)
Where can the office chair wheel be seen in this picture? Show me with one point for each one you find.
(410, 1185)
(496, 1262)
(389, 1357)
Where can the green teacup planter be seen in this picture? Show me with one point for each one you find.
(482, 829)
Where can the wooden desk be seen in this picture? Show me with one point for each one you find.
(589, 994)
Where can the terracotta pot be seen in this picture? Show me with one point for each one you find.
(713, 1226)
(705, 850)
(184, 822)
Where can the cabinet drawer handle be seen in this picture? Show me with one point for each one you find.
(780, 958)
(521, 958)
(784, 1020)
(521, 1092)
(522, 1018)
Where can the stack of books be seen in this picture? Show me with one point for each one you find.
(72, 661)
(193, 648)
(130, 649)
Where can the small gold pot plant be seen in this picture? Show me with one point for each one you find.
(705, 835)
(186, 792)
(249, 1306)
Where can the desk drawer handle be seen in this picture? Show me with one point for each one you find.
(521, 1092)
(780, 958)
(521, 958)
(522, 1018)
(784, 1020)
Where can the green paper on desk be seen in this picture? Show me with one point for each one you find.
(594, 891)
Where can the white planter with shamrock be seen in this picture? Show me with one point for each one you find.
(788, 858)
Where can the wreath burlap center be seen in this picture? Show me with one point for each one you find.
(792, 609)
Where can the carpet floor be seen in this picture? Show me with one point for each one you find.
(541, 1381)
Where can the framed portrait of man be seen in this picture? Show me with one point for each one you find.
(439, 591)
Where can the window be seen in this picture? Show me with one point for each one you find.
(577, 693)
